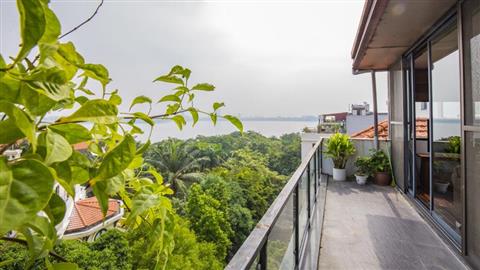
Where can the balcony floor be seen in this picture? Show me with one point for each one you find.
(373, 227)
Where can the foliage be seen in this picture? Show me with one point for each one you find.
(208, 221)
(364, 166)
(339, 148)
(379, 161)
(454, 145)
(177, 161)
(58, 81)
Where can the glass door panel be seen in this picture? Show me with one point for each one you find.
(421, 118)
(446, 129)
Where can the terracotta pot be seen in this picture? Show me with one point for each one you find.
(382, 179)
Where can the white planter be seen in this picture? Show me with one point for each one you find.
(361, 179)
(441, 187)
(339, 174)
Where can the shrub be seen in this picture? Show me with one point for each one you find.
(339, 148)
(364, 166)
(379, 161)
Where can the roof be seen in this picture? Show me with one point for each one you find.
(388, 28)
(383, 130)
(87, 213)
(81, 146)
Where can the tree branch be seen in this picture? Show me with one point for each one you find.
(84, 22)
(24, 242)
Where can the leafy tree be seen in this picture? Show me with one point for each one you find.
(53, 82)
(177, 161)
(208, 221)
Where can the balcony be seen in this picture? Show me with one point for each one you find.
(317, 223)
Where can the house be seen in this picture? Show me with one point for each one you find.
(431, 51)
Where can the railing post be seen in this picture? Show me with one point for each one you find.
(296, 225)
(263, 257)
(309, 192)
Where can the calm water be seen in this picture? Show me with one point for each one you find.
(164, 130)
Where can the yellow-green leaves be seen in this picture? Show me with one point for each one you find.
(72, 132)
(57, 148)
(117, 159)
(179, 120)
(173, 98)
(96, 111)
(204, 87)
(194, 114)
(235, 121)
(21, 121)
(32, 25)
(218, 105)
(25, 189)
(96, 71)
(55, 209)
(140, 100)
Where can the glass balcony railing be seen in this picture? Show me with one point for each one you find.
(288, 235)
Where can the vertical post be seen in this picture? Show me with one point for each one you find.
(375, 109)
(296, 225)
(263, 257)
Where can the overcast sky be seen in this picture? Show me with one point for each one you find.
(266, 58)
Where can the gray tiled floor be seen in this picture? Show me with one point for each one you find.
(373, 227)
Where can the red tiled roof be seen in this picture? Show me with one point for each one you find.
(87, 213)
(81, 146)
(383, 130)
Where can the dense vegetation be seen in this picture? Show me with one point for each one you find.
(228, 182)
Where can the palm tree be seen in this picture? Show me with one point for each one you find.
(178, 162)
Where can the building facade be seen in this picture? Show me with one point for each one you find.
(431, 51)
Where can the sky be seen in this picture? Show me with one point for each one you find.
(266, 58)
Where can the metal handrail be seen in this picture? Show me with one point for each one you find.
(255, 242)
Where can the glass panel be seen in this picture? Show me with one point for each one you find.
(312, 182)
(421, 116)
(302, 205)
(446, 173)
(256, 263)
(472, 149)
(281, 241)
(471, 61)
(397, 135)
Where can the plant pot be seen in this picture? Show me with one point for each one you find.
(382, 178)
(361, 179)
(441, 187)
(339, 174)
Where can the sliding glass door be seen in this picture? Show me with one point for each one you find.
(435, 139)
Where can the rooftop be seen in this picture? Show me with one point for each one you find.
(87, 213)
(383, 130)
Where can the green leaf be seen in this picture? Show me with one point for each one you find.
(204, 87)
(117, 159)
(115, 99)
(25, 189)
(213, 116)
(179, 120)
(95, 71)
(32, 25)
(169, 79)
(144, 147)
(10, 132)
(194, 114)
(140, 100)
(144, 200)
(96, 111)
(72, 132)
(235, 121)
(21, 120)
(170, 98)
(144, 117)
(218, 105)
(58, 148)
(37, 103)
(52, 29)
(55, 209)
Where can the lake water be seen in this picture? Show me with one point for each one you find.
(167, 129)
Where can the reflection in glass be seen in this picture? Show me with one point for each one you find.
(421, 116)
(446, 174)
(472, 149)
(302, 204)
(281, 240)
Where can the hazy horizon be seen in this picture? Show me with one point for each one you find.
(266, 58)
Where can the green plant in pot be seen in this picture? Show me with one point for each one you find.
(364, 169)
(339, 148)
(380, 164)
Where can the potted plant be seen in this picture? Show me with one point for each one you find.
(363, 165)
(339, 148)
(381, 168)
